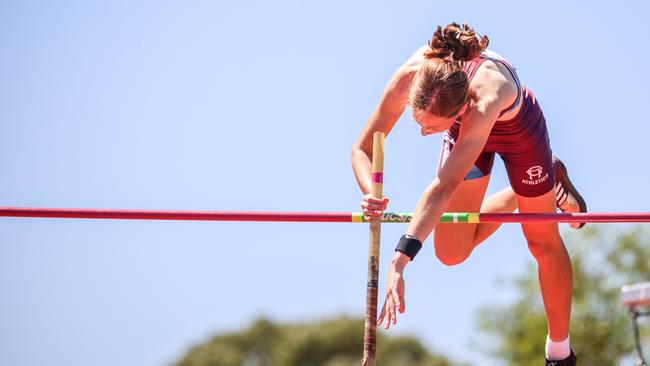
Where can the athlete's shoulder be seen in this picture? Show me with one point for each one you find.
(403, 76)
(493, 81)
(412, 64)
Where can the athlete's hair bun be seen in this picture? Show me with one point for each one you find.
(456, 43)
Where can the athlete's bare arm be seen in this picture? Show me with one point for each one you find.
(391, 106)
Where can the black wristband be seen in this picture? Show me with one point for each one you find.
(409, 245)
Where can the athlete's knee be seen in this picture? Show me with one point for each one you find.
(453, 253)
(545, 247)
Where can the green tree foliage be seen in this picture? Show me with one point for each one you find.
(336, 342)
(601, 332)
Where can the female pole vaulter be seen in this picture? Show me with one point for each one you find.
(456, 86)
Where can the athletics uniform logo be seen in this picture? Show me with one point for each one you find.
(535, 172)
(535, 175)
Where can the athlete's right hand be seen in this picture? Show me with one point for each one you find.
(373, 207)
(394, 301)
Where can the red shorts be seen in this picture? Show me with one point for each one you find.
(522, 143)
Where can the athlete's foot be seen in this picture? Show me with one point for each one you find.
(569, 361)
(566, 195)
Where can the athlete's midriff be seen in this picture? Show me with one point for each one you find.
(522, 142)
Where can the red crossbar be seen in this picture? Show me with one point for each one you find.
(81, 213)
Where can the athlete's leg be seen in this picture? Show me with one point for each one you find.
(554, 264)
(455, 242)
(503, 201)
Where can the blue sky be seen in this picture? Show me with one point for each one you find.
(254, 105)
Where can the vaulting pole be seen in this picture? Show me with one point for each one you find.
(370, 328)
